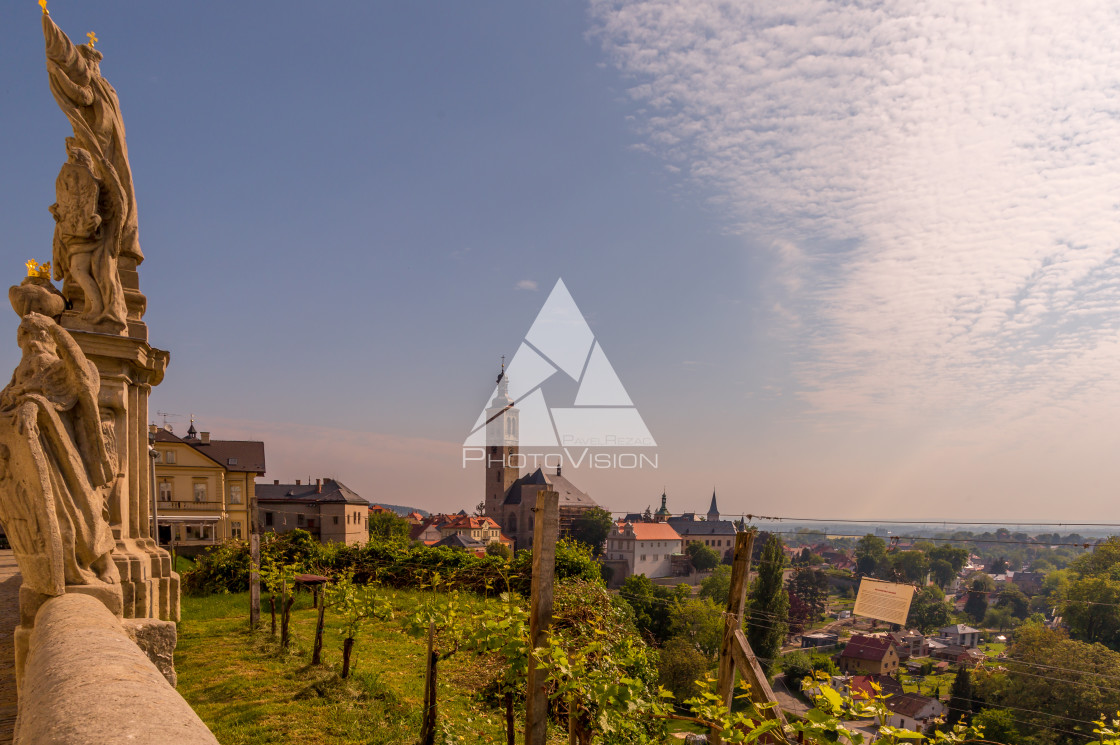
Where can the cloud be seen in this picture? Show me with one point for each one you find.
(938, 181)
(526, 284)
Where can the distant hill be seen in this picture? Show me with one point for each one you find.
(401, 510)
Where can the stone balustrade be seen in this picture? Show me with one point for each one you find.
(85, 682)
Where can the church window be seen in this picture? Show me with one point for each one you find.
(511, 523)
(498, 476)
(336, 519)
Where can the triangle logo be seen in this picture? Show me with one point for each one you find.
(560, 343)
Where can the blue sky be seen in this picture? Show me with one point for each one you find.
(838, 255)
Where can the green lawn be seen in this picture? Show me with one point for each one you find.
(249, 691)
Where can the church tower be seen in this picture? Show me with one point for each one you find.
(713, 511)
(501, 448)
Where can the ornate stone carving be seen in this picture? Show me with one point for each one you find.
(58, 469)
(96, 208)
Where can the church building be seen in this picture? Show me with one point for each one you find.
(511, 497)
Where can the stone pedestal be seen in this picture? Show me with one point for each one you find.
(129, 367)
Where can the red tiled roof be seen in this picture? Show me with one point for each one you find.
(872, 648)
(654, 532)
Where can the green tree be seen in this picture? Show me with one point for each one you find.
(998, 726)
(1103, 560)
(680, 666)
(928, 610)
(977, 604)
(703, 557)
(388, 526)
(1092, 610)
(979, 580)
(651, 604)
(769, 606)
(955, 557)
(942, 572)
(960, 698)
(910, 566)
(999, 618)
(871, 555)
(592, 528)
(717, 586)
(698, 620)
(811, 585)
(1013, 599)
(497, 548)
(998, 566)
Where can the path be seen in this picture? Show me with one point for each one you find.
(9, 618)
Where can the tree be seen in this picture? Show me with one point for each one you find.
(811, 586)
(998, 566)
(955, 557)
(650, 603)
(982, 581)
(1013, 599)
(680, 666)
(718, 585)
(1103, 560)
(942, 572)
(497, 548)
(928, 610)
(355, 605)
(703, 557)
(910, 566)
(977, 604)
(700, 621)
(999, 618)
(960, 698)
(769, 606)
(388, 526)
(998, 726)
(800, 665)
(871, 555)
(1092, 610)
(592, 528)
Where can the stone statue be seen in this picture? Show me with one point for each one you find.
(91, 105)
(82, 251)
(56, 468)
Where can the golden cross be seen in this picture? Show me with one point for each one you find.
(43, 5)
(92, 37)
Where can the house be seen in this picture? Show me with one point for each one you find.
(481, 529)
(712, 532)
(965, 636)
(1029, 582)
(426, 532)
(910, 644)
(913, 711)
(642, 548)
(959, 655)
(205, 489)
(327, 509)
(464, 542)
(869, 654)
(819, 639)
(860, 686)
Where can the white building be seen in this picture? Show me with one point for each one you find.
(645, 547)
(912, 711)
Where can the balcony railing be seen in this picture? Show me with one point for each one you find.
(191, 505)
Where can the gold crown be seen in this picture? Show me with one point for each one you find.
(35, 269)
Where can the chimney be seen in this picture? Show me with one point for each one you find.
(205, 436)
(297, 482)
(276, 482)
(319, 486)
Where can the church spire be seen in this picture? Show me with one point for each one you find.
(713, 511)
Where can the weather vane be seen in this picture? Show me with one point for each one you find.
(43, 5)
(92, 37)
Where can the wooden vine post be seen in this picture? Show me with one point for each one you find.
(254, 581)
(546, 529)
(735, 654)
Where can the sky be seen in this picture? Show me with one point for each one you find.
(848, 259)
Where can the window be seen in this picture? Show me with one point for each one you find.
(268, 518)
(165, 490)
(235, 529)
(200, 491)
(169, 457)
(643, 557)
(190, 531)
(231, 462)
(235, 493)
(299, 520)
(336, 519)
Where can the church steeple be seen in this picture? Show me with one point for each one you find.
(713, 511)
(501, 447)
(662, 514)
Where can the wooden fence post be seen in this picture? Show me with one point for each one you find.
(733, 619)
(546, 529)
(254, 581)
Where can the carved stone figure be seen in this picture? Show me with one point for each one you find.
(91, 105)
(82, 251)
(57, 468)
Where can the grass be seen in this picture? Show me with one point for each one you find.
(249, 691)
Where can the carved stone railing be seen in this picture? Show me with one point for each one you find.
(86, 681)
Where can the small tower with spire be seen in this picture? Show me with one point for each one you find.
(662, 514)
(713, 511)
(501, 447)
(192, 433)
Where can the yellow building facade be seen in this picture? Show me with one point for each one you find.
(205, 490)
